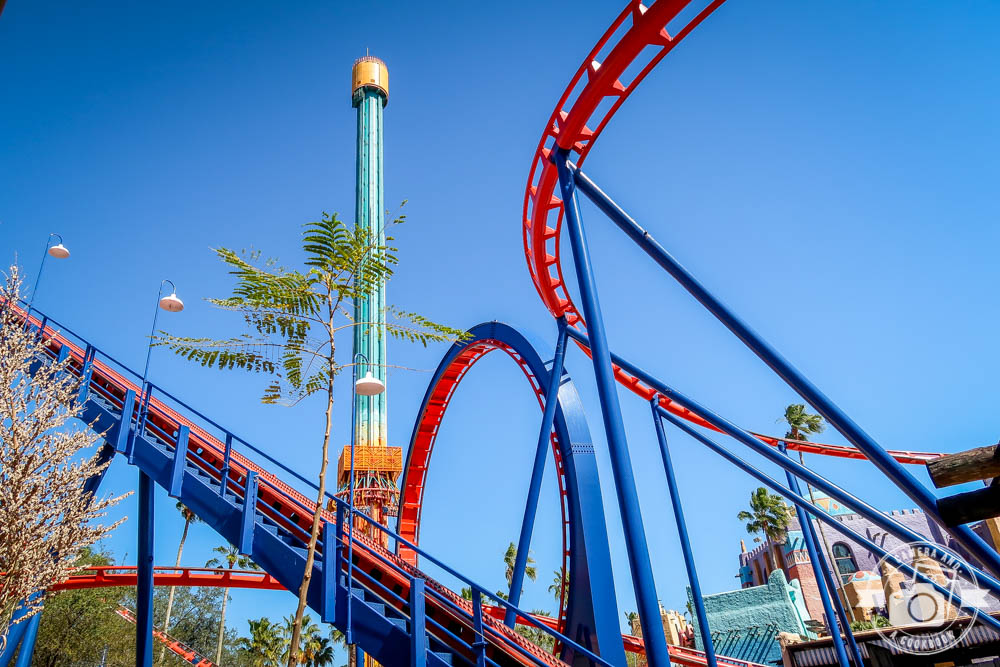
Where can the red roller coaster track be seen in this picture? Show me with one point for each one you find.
(599, 87)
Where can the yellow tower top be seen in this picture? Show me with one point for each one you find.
(370, 72)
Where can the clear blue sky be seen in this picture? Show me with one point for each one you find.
(830, 169)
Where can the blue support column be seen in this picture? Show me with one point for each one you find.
(331, 563)
(479, 638)
(144, 581)
(824, 580)
(224, 476)
(14, 635)
(621, 465)
(889, 466)
(180, 460)
(248, 519)
(682, 532)
(418, 624)
(28, 643)
(537, 472)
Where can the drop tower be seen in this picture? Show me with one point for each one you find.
(377, 466)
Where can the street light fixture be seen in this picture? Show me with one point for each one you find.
(170, 303)
(59, 251)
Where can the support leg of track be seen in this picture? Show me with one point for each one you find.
(827, 589)
(144, 581)
(682, 532)
(28, 643)
(418, 624)
(839, 419)
(621, 465)
(821, 580)
(14, 635)
(537, 472)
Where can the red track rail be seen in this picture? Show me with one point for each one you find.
(176, 647)
(105, 577)
(592, 98)
(423, 446)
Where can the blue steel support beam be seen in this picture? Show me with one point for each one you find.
(28, 643)
(247, 520)
(803, 503)
(607, 388)
(784, 369)
(331, 565)
(479, 639)
(14, 635)
(682, 532)
(418, 624)
(537, 472)
(821, 580)
(821, 570)
(144, 579)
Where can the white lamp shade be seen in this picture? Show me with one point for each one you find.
(369, 385)
(59, 251)
(172, 303)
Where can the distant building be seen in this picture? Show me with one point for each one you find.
(855, 567)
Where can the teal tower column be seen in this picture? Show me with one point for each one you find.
(377, 466)
(369, 95)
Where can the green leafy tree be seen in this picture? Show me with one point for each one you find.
(537, 636)
(291, 320)
(231, 558)
(768, 517)
(560, 580)
(189, 518)
(265, 645)
(801, 424)
(313, 647)
(81, 626)
(509, 556)
(632, 618)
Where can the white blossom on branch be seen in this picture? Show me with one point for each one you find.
(46, 517)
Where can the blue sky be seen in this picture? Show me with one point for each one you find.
(829, 169)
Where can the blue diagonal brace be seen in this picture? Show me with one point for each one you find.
(119, 437)
(180, 459)
(249, 510)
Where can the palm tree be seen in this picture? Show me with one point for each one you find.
(311, 642)
(323, 654)
(632, 618)
(801, 423)
(231, 557)
(189, 518)
(560, 580)
(768, 516)
(509, 557)
(265, 643)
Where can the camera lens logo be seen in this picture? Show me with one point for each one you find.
(924, 611)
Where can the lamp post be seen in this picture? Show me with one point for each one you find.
(59, 251)
(144, 584)
(170, 303)
(367, 386)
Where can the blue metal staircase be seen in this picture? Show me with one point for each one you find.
(395, 613)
